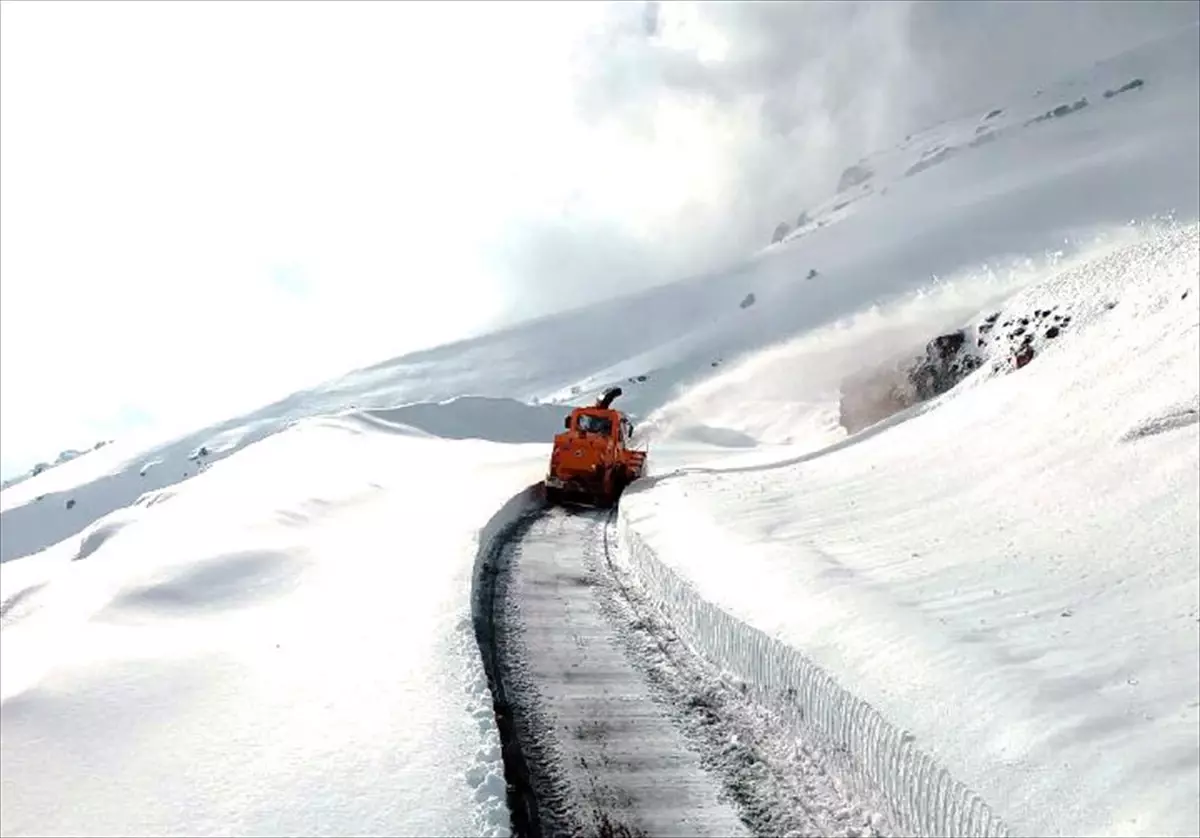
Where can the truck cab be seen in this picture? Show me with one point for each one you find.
(592, 459)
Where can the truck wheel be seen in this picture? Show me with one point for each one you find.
(619, 480)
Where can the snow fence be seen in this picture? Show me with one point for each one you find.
(880, 760)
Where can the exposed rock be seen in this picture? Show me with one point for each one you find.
(812, 274)
(930, 159)
(1134, 84)
(66, 456)
(942, 367)
(853, 176)
(993, 114)
(801, 219)
(71, 503)
(781, 230)
(983, 139)
(747, 301)
(873, 395)
(1060, 111)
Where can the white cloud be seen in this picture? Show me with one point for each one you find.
(165, 164)
(208, 204)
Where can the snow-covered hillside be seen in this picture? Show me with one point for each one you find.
(1026, 548)
(264, 627)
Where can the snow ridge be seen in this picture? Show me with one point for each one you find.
(884, 763)
(535, 799)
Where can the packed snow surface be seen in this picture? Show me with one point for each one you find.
(1024, 549)
(620, 762)
(263, 654)
(262, 627)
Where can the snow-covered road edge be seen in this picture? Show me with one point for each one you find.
(917, 795)
(503, 526)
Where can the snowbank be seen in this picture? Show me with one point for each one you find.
(880, 761)
(263, 626)
(1009, 574)
(285, 647)
(74, 497)
(479, 417)
(61, 502)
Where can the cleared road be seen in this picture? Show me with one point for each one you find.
(611, 726)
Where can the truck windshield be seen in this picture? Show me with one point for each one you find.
(589, 424)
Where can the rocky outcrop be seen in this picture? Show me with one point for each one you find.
(930, 159)
(1133, 84)
(1002, 343)
(854, 175)
(1061, 111)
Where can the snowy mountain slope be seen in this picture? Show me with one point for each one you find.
(990, 219)
(266, 656)
(1024, 126)
(1026, 549)
(155, 600)
(71, 498)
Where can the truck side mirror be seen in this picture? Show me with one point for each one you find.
(567, 422)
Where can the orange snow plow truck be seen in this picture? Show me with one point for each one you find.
(592, 461)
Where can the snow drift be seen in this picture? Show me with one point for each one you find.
(298, 665)
(45, 509)
(264, 626)
(1024, 548)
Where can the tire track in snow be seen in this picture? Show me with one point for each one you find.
(602, 758)
(487, 597)
(611, 726)
(782, 785)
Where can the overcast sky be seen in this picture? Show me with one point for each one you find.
(206, 205)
